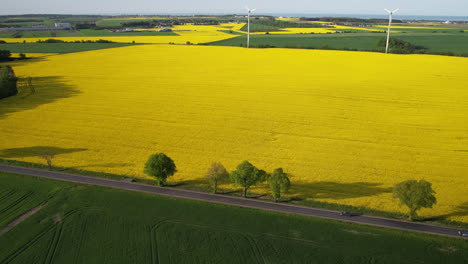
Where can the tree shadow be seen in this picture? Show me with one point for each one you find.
(47, 90)
(36, 151)
(335, 190)
(461, 210)
(103, 165)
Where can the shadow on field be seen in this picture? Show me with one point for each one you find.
(44, 90)
(461, 210)
(36, 151)
(103, 165)
(200, 182)
(335, 190)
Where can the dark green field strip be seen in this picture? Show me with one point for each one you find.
(425, 30)
(359, 41)
(99, 33)
(58, 47)
(232, 32)
(86, 224)
(82, 33)
(456, 42)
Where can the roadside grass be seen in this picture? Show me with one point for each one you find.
(202, 186)
(96, 224)
(58, 47)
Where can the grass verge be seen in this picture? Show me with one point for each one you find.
(203, 187)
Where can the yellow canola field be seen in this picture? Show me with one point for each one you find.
(346, 125)
(298, 31)
(354, 28)
(32, 55)
(289, 19)
(186, 33)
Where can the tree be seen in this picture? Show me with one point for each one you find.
(161, 167)
(246, 175)
(415, 195)
(279, 182)
(48, 156)
(8, 82)
(5, 55)
(216, 174)
(400, 46)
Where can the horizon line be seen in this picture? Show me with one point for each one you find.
(276, 14)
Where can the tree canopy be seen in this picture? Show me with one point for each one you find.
(247, 175)
(400, 46)
(216, 174)
(279, 183)
(161, 167)
(8, 82)
(4, 54)
(415, 195)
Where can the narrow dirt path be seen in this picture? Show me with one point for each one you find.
(21, 218)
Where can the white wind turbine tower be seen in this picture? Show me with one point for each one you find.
(390, 13)
(248, 25)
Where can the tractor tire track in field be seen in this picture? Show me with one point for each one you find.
(21, 218)
(54, 244)
(236, 201)
(57, 231)
(9, 258)
(154, 242)
(257, 251)
(16, 202)
(7, 194)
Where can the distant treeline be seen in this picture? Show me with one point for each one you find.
(22, 20)
(76, 41)
(9, 25)
(171, 22)
(348, 20)
(285, 24)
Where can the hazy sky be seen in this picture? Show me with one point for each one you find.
(408, 7)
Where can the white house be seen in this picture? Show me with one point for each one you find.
(63, 25)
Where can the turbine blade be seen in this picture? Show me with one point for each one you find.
(394, 11)
(387, 10)
(247, 8)
(253, 10)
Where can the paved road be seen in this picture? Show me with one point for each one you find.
(235, 201)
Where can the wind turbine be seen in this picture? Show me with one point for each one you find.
(248, 24)
(390, 13)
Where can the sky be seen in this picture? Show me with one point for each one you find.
(114, 7)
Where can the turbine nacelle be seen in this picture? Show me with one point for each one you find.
(391, 12)
(250, 10)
